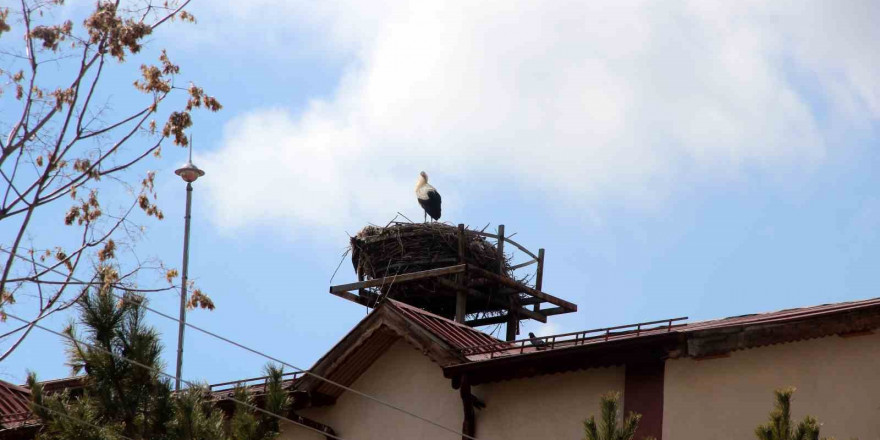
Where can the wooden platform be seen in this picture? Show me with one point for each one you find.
(486, 297)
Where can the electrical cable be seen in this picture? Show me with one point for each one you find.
(277, 360)
(76, 419)
(156, 370)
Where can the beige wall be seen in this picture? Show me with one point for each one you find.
(402, 376)
(551, 407)
(837, 380)
(544, 407)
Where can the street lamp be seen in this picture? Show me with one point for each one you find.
(189, 173)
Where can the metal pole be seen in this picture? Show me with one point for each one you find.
(177, 376)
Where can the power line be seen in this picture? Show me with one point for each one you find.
(274, 359)
(75, 419)
(156, 370)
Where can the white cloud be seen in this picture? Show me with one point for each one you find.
(593, 100)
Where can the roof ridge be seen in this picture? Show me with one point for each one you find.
(456, 334)
(19, 388)
(818, 308)
(433, 315)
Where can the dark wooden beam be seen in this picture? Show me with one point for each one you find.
(353, 298)
(512, 306)
(554, 311)
(486, 321)
(402, 278)
(539, 275)
(528, 314)
(328, 432)
(461, 294)
(530, 300)
(469, 423)
(522, 265)
(643, 394)
(525, 289)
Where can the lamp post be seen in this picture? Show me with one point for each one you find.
(189, 173)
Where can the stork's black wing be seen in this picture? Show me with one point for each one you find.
(432, 204)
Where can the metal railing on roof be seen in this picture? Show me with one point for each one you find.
(573, 339)
(254, 381)
(14, 417)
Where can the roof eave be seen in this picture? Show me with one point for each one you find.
(642, 349)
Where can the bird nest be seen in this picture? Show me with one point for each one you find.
(399, 248)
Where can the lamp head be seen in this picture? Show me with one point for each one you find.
(189, 172)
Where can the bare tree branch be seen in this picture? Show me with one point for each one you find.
(65, 142)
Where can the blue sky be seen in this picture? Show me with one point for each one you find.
(686, 159)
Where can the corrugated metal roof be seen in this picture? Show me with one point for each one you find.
(14, 405)
(357, 362)
(370, 339)
(523, 347)
(786, 315)
(453, 333)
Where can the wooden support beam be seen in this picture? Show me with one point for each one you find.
(512, 316)
(469, 422)
(530, 301)
(525, 289)
(526, 313)
(461, 294)
(522, 265)
(353, 298)
(402, 278)
(517, 245)
(487, 321)
(554, 311)
(501, 249)
(539, 275)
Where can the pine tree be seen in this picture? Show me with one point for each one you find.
(120, 398)
(779, 427)
(249, 424)
(608, 428)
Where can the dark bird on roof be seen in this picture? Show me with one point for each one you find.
(428, 197)
(540, 344)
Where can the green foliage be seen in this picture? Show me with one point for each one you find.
(779, 427)
(124, 399)
(249, 424)
(195, 417)
(608, 427)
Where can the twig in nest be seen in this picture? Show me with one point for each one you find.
(398, 213)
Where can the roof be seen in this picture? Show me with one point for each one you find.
(66, 383)
(477, 353)
(14, 406)
(459, 349)
(664, 339)
(455, 334)
(439, 338)
(786, 315)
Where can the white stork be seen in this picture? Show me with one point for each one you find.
(428, 197)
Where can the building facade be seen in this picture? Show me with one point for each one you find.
(437, 379)
(704, 380)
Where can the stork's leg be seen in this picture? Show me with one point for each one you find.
(426, 217)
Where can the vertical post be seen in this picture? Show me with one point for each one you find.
(468, 424)
(539, 276)
(360, 273)
(184, 277)
(461, 293)
(512, 318)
